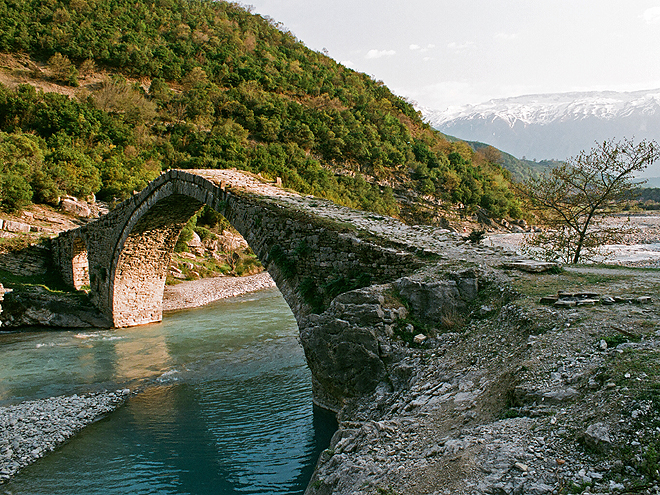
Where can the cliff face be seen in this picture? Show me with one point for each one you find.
(356, 346)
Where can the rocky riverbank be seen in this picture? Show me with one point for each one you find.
(30, 430)
(512, 398)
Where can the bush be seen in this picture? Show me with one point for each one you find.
(15, 192)
(63, 70)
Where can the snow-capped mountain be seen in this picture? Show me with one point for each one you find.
(553, 126)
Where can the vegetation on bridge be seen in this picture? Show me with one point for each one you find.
(202, 84)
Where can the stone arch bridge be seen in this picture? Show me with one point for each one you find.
(333, 265)
(312, 248)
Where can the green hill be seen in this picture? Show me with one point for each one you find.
(135, 87)
(520, 169)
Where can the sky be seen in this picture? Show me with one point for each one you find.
(441, 53)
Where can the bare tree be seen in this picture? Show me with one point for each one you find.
(573, 198)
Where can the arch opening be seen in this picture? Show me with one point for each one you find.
(80, 265)
(141, 260)
(139, 272)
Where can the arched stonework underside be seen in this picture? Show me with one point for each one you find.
(141, 267)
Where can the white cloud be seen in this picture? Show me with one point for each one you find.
(652, 15)
(380, 53)
(460, 47)
(425, 49)
(505, 36)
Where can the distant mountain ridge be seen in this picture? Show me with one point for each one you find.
(553, 126)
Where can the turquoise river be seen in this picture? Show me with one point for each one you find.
(224, 403)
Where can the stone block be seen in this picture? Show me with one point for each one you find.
(12, 226)
(597, 437)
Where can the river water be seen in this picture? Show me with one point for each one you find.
(225, 405)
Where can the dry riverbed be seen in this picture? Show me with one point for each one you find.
(640, 247)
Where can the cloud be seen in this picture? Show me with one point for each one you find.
(506, 36)
(380, 53)
(420, 49)
(461, 47)
(652, 15)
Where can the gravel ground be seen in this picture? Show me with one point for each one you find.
(528, 400)
(31, 429)
(195, 293)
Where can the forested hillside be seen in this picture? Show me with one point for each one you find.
(173, 83)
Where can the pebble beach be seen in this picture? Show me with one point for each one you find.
(31, 429)
(196, 293)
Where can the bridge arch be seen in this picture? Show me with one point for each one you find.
(308, 246)
(142, 255)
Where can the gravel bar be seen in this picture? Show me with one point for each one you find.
(31, 429)
(195, 293)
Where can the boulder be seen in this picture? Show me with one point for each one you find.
(36, 306)
(195, 245)
(598, 438)
(229, 241)
(11, 226)
(75, 207)
(431, 300)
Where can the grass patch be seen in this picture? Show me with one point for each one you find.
(615, 340)
(51, 281)
(543, 284)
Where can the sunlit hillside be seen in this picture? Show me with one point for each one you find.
(135, 87)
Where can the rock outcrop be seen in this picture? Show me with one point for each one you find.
(37, 306)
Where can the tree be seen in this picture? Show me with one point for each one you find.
(574, 197)
(63, 70)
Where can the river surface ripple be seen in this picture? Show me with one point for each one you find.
(225, 404)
